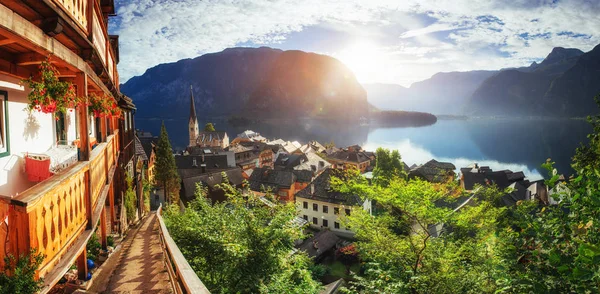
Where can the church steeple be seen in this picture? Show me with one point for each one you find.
(193, 123)
(192, 106)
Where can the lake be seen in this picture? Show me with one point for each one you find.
(515, 144)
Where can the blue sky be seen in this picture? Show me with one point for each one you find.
(384, 41)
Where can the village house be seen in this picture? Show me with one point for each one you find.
(263, 151)
(148, 145)
(433, 171)
(249, 136)
(69, 167)
(282, 183)
(352, 157)
(310, 162)
(322, 207)
(522, 189)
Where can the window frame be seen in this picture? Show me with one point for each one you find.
(336, 225)
(4, 129)
(315, 207)
(305, 204)
(347, 211)
(325, 223)
(315, 221)
(336, 210)
(325, 209)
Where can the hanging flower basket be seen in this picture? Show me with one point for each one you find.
(103, 106)
(50, 95)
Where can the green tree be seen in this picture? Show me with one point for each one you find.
(242, 245)
(388, 165)
(209, 127)
(130, 199)
(418, 243)
(166, 174)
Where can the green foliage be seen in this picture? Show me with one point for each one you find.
(22, 274)
(318, 271)
(166, 174)
(147, 188)
(401, 247)
(388, 166)
(110, 241)
(130, 199)
(93, 247)
(209, 127)
(241, 245)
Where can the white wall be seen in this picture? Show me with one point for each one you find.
(28, 132)
(330, 216)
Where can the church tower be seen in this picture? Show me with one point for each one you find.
(193, 123)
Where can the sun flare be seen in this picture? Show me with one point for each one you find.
(365, 59)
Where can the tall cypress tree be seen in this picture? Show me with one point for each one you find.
(166, 171)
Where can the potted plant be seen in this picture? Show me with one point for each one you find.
(50, 95)
(103, 106)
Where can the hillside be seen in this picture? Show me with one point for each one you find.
(250, 81)
(443, 93)
(564, 84)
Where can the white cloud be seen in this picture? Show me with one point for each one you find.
(436, 35)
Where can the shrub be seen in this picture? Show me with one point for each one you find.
(23, 270)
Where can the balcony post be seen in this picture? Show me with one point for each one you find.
(103, 239)
(82, 118)
(82, 269)
(111, 200)
(103, 129)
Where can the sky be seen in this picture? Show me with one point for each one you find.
(381, 41)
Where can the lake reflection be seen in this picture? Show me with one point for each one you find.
(519, 145)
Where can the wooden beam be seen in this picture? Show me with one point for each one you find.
(82, 268)
(103, 235)
(6, 42)
(81, 83)
(30, 58)
(28, 35)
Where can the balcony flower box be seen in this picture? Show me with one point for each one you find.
(49, 94)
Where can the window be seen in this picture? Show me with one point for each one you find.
(91, 125)
(305, 217)
(305, 205)
(315, 221)
(325, 209)
(61, 130)
(325, 223)
(4, 138)
(336, 210)
(347, 211)
(336, 225)
(315, 207)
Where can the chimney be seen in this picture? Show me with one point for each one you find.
(202, 157)
(203, 166)
(312, 189)
(194, 163)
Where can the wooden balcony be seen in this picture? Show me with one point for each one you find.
(81, 26)
(57, 217)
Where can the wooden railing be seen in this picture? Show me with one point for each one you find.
(50, 216)
(88, 16)
(183, 277)
(77, 10)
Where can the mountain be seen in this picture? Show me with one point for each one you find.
(563, 84)
(443, 93)
(250, 81)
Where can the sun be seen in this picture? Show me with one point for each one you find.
(364, 58)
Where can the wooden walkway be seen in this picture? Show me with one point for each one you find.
(141, 268)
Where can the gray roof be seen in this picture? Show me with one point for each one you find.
(432, 171)
(139, 149)
(324, 240)
(210, 180)
(303, 176)
(269, 178)
(148, 144)
(289, 161)
(323, 191)
(484, 176)
(350, 156)
(186, 168)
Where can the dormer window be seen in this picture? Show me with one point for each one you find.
(194, 163)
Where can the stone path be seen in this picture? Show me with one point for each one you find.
(141, 268)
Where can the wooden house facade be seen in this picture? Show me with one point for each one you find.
(63, 174)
